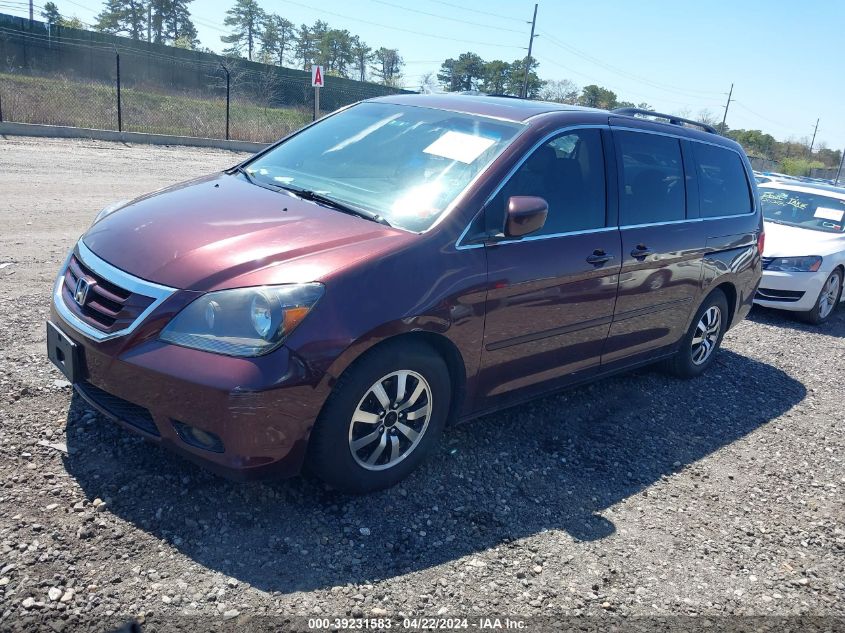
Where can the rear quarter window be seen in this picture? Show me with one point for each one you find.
(723, 187)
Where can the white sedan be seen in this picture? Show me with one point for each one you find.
(804, 256)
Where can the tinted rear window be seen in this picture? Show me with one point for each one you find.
(722, 185)
(652, 178)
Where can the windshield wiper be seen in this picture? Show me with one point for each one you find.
(243, 170)
(313, 196)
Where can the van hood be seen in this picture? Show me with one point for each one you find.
(783, 240)
(221, 231)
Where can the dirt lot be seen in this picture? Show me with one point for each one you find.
(637, 496)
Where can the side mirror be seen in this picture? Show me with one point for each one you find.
(524, 215)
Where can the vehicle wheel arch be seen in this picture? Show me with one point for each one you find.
(436, 341)
(729, 289)
(841, 268)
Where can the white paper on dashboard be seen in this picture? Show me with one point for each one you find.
(459, 146)
(829, 214)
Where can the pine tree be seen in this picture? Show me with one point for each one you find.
(178, 24)
(363, 55)
(170, 21)
(246, 19)
(51, 14)
(387, 66)
(122, 17)
(304, 50)
(276, 39)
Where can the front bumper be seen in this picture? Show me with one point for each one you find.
(797, 292)
(261, 409)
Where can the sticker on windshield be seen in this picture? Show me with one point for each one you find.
(459, 146)
(829, 214)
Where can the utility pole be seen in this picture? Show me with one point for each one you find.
(838, 173)
(149, 22)
(813, 142)
(727, 105)
(524, 94)
(32, 14)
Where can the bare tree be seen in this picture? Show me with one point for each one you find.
(560, 91)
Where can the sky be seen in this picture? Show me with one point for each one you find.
(785, 58)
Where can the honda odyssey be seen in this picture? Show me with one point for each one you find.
(333, 301)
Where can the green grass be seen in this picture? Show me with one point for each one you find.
(58, 101)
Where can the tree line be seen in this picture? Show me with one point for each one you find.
(470, 73)
(254, 34)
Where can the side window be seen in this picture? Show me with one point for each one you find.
(568, 172)
(652, 175)
(722, 184)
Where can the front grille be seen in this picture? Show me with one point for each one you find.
(108, 307)
(768, 294)
(118, 408)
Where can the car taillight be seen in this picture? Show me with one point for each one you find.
(761, 242)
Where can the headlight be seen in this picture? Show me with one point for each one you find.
(243, 321)
(107, 211)
(809, 264)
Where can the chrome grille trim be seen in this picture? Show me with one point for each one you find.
(116, 276)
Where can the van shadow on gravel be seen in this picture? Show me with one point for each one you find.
(553, 464)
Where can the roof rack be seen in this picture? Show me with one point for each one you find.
(671, 118)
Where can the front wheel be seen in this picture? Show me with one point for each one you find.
(697, 349)
(827, 300)
(383, 418)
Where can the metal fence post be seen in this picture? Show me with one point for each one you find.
(226, 70)
(119, 110)
(1, 107)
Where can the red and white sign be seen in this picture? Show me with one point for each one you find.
(317, 76)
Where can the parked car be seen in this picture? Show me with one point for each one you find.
(805, 249)
(334, 300)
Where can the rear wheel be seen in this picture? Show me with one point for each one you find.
(697, 349)
(827, 300)
(383, 418)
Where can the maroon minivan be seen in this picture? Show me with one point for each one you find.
(335, 300)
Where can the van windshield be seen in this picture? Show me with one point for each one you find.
(404, 163)
(807, 210)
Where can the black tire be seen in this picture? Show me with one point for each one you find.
(330, 453)
(683, 364)
(815, 316)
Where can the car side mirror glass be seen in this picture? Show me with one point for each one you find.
(524, 215)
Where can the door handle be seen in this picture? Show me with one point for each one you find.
(641, 252)
(599, 257)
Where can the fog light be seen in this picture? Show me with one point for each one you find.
(205, 440)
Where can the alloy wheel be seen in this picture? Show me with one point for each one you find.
(390, 420)
(829, 295)
(706, 334)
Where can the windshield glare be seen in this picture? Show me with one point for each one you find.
(807, 210)
(405, 163)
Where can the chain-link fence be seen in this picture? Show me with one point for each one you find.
(63, 76)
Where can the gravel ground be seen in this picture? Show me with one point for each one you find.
(637, 496)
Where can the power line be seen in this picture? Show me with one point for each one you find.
(638, 97)
(587, 57)
(493, 15)
(440, 16)
(761, 116)
(396, 28)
